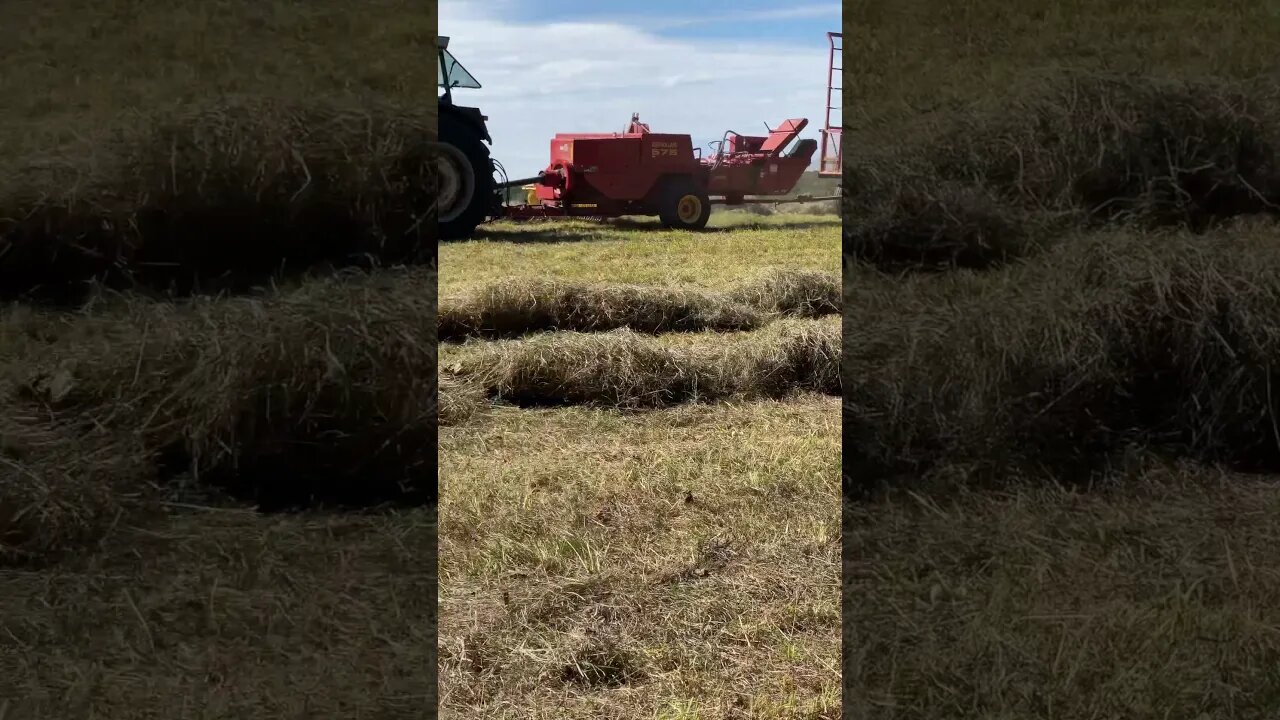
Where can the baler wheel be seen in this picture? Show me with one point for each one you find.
(684, 205)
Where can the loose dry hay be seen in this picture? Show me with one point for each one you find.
(459, 399)
(626, 369)
(1000, 183)
(518, 306)
(619, 368)
(794, 293)
(940, 226)
(328, 390)
(799, 356)
(1169, 341)
(59, 486)
(229, 192)
(515, 307)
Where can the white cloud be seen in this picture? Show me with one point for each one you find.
(790, 13)
(540, 79)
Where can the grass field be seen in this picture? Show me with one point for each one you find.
(1059, 424)
(616, 539)
(217, 491)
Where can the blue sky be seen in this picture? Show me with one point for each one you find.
(699, 67)
(797, 22)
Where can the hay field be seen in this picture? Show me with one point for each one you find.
(217, 424)
(1060, 410)
(638, 460)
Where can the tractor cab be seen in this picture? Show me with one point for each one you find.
(451, 74)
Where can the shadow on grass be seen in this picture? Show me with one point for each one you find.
(557, 231)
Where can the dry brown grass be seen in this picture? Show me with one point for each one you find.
(177, 147)
(1060, 363)
(333, 380)
(609, 546)
(218, 197)
(674, 563)
(1046, 444)
(626, 369)
(1004, 179)
(234, 141)
(790, 292)
(519, 306)
(227, 613)
(914, 62)
(140, 423)
(60, 488)
(1149, 599)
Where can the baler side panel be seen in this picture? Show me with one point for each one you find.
(626, 168)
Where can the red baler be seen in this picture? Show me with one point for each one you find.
(638, 172)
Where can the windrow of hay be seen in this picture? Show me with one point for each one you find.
(626, 369)
(942, 225)
(459, 399)
(516, 307)
(218, 195)
(802, 355)
(57, 485)
(325, 392)
(1169, 341)
(1065, 150)
(789, 292)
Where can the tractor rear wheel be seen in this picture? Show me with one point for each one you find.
(466, 180)
(683, 205)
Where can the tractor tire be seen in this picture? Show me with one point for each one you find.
(466, 180)
(683, 205)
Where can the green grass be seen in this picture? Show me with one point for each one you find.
(673, 563)
(640, 251)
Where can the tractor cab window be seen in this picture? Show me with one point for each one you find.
(452, 74)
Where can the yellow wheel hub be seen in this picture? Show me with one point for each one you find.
(689, 209)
